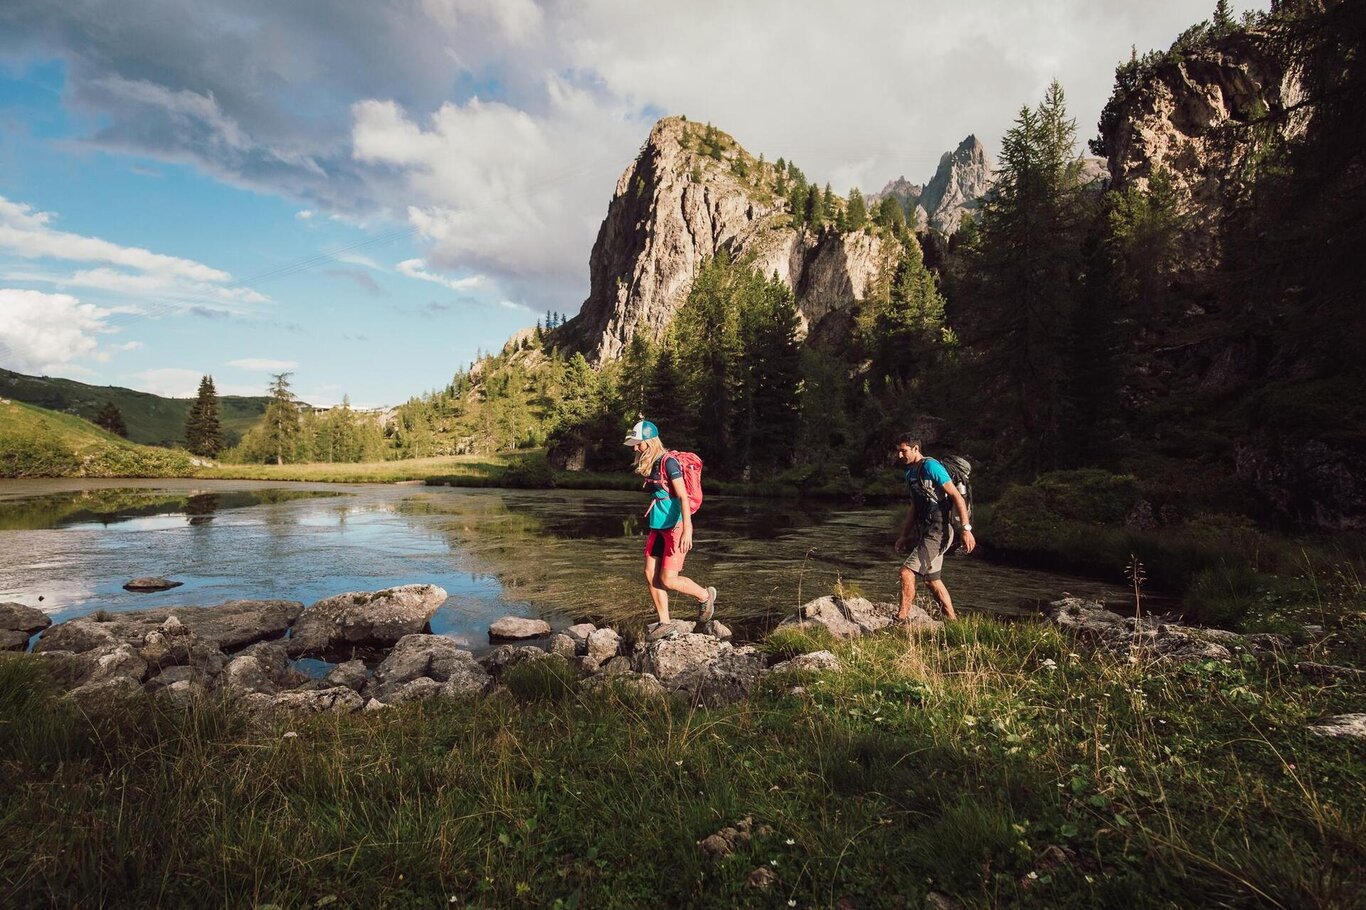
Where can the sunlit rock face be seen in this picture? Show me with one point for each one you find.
(1193, 117)
(675, 207)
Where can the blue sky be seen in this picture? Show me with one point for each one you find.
(366, 193)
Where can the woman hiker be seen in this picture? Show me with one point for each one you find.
(670, 523)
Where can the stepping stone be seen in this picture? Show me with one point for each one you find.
(150, 584)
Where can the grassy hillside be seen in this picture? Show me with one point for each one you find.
(38, 443)
(151, 419)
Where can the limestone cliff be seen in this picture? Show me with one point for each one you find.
(691, 193)
(1198, 115)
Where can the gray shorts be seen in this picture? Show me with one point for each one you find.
(926, 558)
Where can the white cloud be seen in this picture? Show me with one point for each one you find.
(170, 382)
(40, 332)
(158, 282)
(304, 215)
(416, 268)
(514, 305)
(258, 364)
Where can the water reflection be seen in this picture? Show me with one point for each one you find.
(112, 506)
(563, 554)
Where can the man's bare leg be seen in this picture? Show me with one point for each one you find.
(941, 594)
(907, 594)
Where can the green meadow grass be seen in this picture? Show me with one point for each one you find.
(989, 762)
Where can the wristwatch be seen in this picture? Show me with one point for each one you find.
(967, 527)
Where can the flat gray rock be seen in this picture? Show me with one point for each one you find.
(673, 661)
(817, 661)
(231, 625)
(515, 628)
(151, 584)
(1342, 726)
(364, 619)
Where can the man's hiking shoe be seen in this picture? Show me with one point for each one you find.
(709, 606)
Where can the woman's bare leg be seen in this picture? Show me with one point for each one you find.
(659, 594)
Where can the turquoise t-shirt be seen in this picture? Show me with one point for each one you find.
(926, 484)
(665, 511)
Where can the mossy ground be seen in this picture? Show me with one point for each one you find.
(949, 762)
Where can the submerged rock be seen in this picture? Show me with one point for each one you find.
(151, 584)
(364, 619)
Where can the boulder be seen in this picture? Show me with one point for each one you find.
(673, 661)
(466, 680)
(1086, 620)
(419, 689)
(563, 645)
(579, 632)
(816, 661)
(231, 625)
(504, 656)
(730, 678)
(515, 628)
(352, 674)
(364, 619)
(247, 673)
(585, 664)
(418, 656)
(151, 584)
(100, 696)
(603, 645)
(18, 624)
(639, 685)
(828, 612)
(170, 645)
(615, 666)
(871, 617)
(1342, 726)
(179, 694)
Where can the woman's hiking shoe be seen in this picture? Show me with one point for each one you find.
(709, 606)
(662, 631)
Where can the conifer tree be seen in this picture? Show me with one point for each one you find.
(111, 419)
(203, 430)
(281, 425)
(856, 217)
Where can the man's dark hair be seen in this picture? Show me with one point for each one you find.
(911, 440)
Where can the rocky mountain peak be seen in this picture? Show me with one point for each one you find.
(963, 177)
(693, 192)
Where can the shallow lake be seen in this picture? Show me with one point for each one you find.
(67, 547)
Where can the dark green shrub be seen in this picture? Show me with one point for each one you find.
(1223, 594)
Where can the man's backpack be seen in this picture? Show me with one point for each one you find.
(692, 476)
(959, 470)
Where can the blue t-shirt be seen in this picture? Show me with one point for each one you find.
(926, 483)
(665, 511)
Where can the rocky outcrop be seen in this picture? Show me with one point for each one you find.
(18, 624)
(1188, 115)
(1155, 638)
(958, 186)
(674, 207)
(852, 617)
(230, 625)
(365, 619)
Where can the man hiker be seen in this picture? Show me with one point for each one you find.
(928, 532)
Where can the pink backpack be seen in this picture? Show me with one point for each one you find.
(692, 476)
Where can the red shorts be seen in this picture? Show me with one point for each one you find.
(666, 547)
